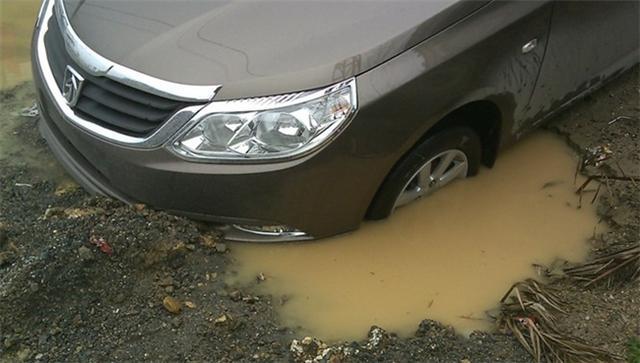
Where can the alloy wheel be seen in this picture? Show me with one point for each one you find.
(437, 172)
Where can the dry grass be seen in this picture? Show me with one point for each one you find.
(529, 310)
(612, 269)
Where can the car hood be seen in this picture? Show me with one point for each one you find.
(256, 48)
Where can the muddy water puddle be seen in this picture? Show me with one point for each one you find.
(449, 257)
(17, 18)
(16, 26)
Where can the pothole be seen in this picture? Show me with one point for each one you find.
(449, 257)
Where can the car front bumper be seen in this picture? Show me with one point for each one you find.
(322, 194)
(319, 195)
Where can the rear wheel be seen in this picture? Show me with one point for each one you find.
(435, 162)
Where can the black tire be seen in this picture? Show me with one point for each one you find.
(461, 138)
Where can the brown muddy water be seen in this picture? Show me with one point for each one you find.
(17, 18)
(449, 257)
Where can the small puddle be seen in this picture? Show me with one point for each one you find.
(449, 257)
(17, 18)
(16, 26)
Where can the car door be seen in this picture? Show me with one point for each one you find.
(589, 42)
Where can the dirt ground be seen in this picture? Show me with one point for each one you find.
(90, 279)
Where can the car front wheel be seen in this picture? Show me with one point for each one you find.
(435, 162)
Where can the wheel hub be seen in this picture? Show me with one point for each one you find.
(437, 172)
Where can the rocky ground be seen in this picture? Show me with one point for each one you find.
(90, 279)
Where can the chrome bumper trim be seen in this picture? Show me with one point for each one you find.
(157, 139)
(237, 233)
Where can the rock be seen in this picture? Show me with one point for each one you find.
(172, 305)
(65, 188)
(76, 213)
(166, 281)
(168, 289)
(222, 319)
(235, 295)
(378, 338)
(433, 329)
(23, 354)
(10, 341)
(211, 276)
(52, 212)
(209, 240)
(139, 207)
(180, 248)
(71, 213)
(307, 350)
(250, 299)
(190, 304)
(85, 254)
(7, 258)
(221, 247)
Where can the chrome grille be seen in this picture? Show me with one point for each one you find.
(108, 103)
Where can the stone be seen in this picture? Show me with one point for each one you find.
(235, 295)
(166, 281)
(222, 319)
(221, 247)
(172, 305)
(85, 254)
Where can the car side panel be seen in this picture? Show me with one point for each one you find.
(479, 58)
(589, 42)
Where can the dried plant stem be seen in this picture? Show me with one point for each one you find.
(528, 310)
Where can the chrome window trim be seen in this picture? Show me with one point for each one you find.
(155, 140)
(98, 65)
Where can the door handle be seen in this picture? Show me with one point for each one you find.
(529, 46)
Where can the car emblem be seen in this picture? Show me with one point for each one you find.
(72, 85)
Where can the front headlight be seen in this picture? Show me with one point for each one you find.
(274, 127)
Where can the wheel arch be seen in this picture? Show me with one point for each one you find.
(484, 117)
